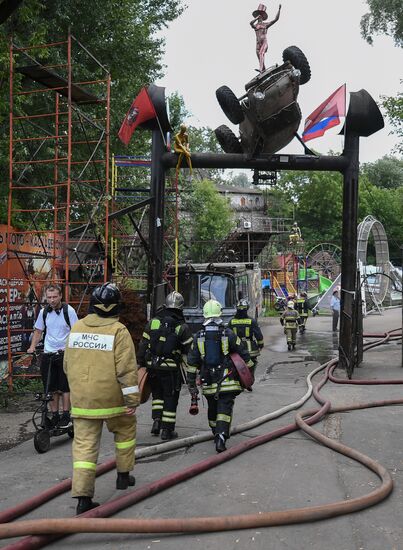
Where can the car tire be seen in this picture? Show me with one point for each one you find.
(298, 60)
(229, 104)
(228, 140)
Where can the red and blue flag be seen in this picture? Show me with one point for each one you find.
(326, 115)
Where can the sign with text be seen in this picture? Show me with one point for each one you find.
(33, 260)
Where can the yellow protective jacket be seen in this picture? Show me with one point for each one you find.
(290, 319)
(100, 364)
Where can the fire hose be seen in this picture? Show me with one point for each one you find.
(219, 523)
(146, 452)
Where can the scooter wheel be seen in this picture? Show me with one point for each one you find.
(42, 441)
(70, 432)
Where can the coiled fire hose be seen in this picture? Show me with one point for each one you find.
(91, 522)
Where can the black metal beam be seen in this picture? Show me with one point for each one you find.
(131, 208)
(156, 218)
(272, 162)
(349, 312)
(114, 215)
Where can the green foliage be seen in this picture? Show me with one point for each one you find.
(386, 172)
(386, 205)
(317, 197)
(122, 35)
(384, 17)
(279, 204)
(177, 111)
(318, 201)
(211, 219)
(238, 180)
(394, 112)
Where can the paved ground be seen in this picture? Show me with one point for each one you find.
(286, 473)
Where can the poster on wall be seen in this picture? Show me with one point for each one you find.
(33, 261)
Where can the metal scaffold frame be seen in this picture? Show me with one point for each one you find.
(58, 201)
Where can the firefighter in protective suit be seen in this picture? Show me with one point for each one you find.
(210, 357)
(303, 310)
(290, 322)
(248, 331)
(163, 349)
(100, 364)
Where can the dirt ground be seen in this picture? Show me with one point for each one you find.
(16, 420)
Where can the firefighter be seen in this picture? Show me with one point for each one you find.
(248, 331)
(290, 321)
(303, 311)
(210, 357)
(100, 364)
(163, 349)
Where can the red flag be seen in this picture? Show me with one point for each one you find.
(326, 115)
(140, 111)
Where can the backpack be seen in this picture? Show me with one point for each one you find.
(164, 340)
(48, 309)
(212, 343)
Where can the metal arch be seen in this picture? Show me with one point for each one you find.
(365, 228)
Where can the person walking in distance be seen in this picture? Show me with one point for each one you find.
(163, 350)
(210, 357)
(290, 321)
(335, 307)
(248, 331)
(54, 323)
(261, 27)
(303, 310)
(100, 363)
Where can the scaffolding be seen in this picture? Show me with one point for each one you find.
(58, 181)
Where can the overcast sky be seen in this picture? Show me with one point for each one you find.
(212, 44)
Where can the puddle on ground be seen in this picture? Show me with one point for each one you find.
(321, 347)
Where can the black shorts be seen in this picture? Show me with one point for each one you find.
(57, 378)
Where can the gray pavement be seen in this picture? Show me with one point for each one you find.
(290, 472)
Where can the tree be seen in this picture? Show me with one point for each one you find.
(386, 172)
(384, 17)
(238, 180)
(386, 205)
(210, 220)
(317, 200)
(394, 111)
(123, 37)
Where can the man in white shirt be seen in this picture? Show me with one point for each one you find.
(335, 307)
(55, 321)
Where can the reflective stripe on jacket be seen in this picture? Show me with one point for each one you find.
(100, 364)
(290, 319)
(249, 332)
(178, 355)
(230, 343)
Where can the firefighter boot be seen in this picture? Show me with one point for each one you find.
(124, 480)
(85, 504)
(167, 434)
(219, 441)
(156, 427)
